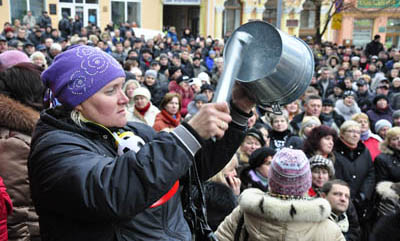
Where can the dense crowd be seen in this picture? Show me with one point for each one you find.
(333, 154)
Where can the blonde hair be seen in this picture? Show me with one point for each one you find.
(347, 124)
(358, 116)
(220, 176)
(384, 146)
(38, 54)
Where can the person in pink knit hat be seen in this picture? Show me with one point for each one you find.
(12, 57)
(284, 212)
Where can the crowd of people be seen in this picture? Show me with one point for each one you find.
(106, 135)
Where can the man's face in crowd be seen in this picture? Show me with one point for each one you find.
(3, 46)
(327, 109)
(362, 88)
(338, 197)
(313, 107)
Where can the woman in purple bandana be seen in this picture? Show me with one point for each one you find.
(95, 176)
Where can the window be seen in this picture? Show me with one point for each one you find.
(307, 16)
(125, 11)
(362, 31)
(19, 8)
(232, 15)
(270, 12)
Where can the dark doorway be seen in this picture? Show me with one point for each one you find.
(182, 17)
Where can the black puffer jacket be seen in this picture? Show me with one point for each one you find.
(387, 165)
(356, 168)
(84, 191)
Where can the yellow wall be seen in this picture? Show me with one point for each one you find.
(152, 14)
(4, 13)
(104, 13)
(54, 18)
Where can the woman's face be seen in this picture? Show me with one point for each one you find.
(381, 104)
(107, 106)
(319, 176)
(38, 61)
(265, 134)
(394, 142)
(292, 107)
(280, 124)
(382, 131)
(348, 101)
(263, 169)
(129, 90)
(309, 128)
(141, 101)
(249, 145)
(230, 169)
(172, 107)
(326, 145)
(149, 80)
(351, 135)
(364, 124)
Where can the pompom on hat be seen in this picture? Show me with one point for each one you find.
(79, 73)
(290, 173)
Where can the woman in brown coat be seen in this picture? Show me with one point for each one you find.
(21, 96)
(170, 116)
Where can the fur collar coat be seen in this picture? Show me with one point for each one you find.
(270, 218)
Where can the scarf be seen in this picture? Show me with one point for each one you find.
(143, 110)
(365, 135)
(351, 146)
(174, 121)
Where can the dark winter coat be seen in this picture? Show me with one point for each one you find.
(279, 139)
(17, 124)
(387, 165)
(157, 91)
(387, 229)
(356, 168)
(251, 180)
(374, 115)
(64, 26)
(76, 27)
(83, 190)
(373, 48)
(44, 21)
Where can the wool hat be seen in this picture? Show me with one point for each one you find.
(310, 120)
(258, 156)
(182, 78)
(349, 93)
(203, 76)
(320, 161)
(151, 73)
(396, 114)
(256, 134)
(327, 102)
(382, 123)
(195, 81)
(290, 173)
(172, 70)
(379, 97)
(78, 73)
(10, 58)
(295, 142)
(206, 87)
(201, 97)
(141, 91)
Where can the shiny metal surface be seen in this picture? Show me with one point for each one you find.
(274, 66)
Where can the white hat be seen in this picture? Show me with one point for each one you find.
(203, 76)
(143, 92)
(195, 81)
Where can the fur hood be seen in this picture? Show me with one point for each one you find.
(16, 116)
(346, 111)
(383, 146)
(384, 189)
(263, 205)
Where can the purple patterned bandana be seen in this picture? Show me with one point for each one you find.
(79, 73)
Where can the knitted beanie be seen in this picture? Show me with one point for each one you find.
(151, 73)
(320, 161)
(382, 123)
(141, 91)
(78, 73)
(290, 173)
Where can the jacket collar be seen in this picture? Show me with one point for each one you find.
(261, 204)
(16, 116)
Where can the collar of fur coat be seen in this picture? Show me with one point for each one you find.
(259, 203)
(16, 116)
(384, 189)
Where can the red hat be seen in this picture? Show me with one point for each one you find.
(8, 29)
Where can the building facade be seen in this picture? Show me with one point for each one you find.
(353, 25)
